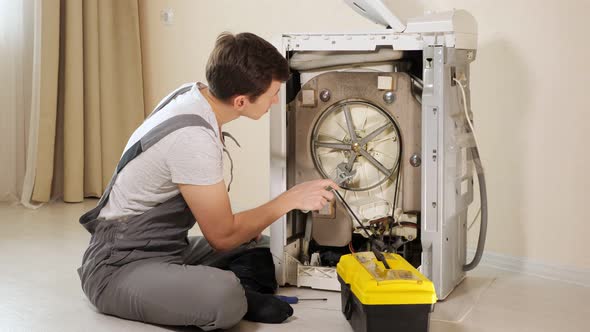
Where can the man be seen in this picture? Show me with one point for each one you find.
(140, 264)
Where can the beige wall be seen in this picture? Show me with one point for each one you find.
(530, 110)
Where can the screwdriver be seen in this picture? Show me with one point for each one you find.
(295, 299)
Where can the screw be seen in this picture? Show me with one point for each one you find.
(325, 95)
(415, 160)
(389, 97)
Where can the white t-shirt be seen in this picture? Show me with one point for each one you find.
(190, 155)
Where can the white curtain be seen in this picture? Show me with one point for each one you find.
(16, 53)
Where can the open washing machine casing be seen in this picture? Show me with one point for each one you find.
(447, 42)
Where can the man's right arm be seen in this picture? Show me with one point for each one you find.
(224, 231)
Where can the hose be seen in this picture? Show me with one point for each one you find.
(484, 212)
(481, 241)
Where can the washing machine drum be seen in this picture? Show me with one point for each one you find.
(361, 126)
(356, 141)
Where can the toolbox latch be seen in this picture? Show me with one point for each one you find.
(349, 301)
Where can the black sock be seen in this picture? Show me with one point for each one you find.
(265, 308)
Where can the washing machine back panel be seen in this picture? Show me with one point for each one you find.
(371, 97)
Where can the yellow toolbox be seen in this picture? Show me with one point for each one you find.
(378, 299)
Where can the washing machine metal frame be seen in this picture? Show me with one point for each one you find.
(448, 43)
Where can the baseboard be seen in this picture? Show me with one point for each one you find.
(527, 266)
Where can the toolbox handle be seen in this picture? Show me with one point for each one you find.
(349, 300)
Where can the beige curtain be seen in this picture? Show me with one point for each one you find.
(91, 95)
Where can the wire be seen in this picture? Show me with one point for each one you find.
(351, 213)
(466, 113)
(397, 180)
(375, 245)
(474, 219)
(394, 206)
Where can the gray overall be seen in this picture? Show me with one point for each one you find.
(146, 268)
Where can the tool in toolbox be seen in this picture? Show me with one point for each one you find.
(376, 244)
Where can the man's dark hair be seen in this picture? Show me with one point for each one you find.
(244, 64)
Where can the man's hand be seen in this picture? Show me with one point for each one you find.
(311, 195)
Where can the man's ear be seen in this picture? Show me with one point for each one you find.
(240, 102)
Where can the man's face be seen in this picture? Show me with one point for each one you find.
(258, 108)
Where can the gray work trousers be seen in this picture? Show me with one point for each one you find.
(147, 269)
(196, 292)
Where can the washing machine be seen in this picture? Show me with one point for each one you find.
(386, 114)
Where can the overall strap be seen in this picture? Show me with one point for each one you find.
(151, 138)
(183, 89)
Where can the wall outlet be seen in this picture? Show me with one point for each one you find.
(167, 16)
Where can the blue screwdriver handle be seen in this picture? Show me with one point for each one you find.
(288, 299)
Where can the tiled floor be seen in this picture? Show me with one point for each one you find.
(40, 291)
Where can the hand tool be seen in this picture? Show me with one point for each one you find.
(295, 299)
